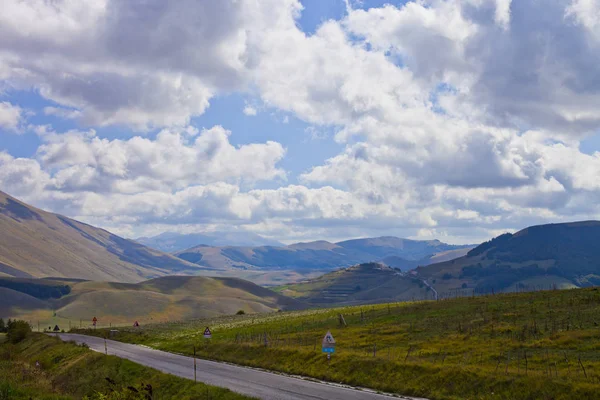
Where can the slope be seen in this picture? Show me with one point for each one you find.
(170, 298)
(35, 243)
(359, 284)
(544, 256)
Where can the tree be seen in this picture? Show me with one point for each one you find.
(17, 331)
(2, 326)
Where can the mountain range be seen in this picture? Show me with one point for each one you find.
(38, 244)
(171, 242)
(35, 243)
(553, 256)
(322, 256)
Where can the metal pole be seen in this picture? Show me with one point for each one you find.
(105, 347)
(194, 363)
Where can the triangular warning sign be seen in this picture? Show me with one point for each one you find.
(328, 339)
(207, 332)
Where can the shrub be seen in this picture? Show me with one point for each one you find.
(17, 331)
(240, 312)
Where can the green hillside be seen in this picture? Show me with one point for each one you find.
(545, 256)
(67, 372)
(360, 284)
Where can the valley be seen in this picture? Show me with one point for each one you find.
(274, 265)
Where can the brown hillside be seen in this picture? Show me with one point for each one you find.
(35, 243)
(170, 298)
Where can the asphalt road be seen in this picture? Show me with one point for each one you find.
(248, 381)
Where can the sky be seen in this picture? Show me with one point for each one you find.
(455, 120)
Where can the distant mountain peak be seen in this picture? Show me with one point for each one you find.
(173, 242)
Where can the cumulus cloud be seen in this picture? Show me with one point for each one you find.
(174, 160)
(457, 118)
(527, 72)
(149, 64)
(11, 116)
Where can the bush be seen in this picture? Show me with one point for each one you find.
(240, 312)
(17, 331)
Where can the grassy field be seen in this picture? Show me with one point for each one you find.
(68, 371)
(540, 345)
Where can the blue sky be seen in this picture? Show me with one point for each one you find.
(297, 120)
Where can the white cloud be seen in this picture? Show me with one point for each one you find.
(174, 160)
(145, 65)
(11, 116)
(250, 111)
(62, 112)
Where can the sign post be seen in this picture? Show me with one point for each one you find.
(94, 320)
(194, 363)
(328, 345)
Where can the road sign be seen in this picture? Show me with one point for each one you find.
(56, 328)
(136, 324)
(94, 320)
(207, 333)
(328, 340)
(328, 344)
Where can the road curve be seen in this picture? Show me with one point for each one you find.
(248, 381)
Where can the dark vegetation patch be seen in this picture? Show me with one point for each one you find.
(191, 257)
(7, 269)
(40, 289)
(18, 211)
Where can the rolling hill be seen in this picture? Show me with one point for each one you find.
(171, 242)
(36, 243)
(320, 256)
(170, 298)
(359, 284)
(544, 256)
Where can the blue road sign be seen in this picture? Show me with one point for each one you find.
(328, 349)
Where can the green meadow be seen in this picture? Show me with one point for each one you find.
(67, 371)
(539, 345)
